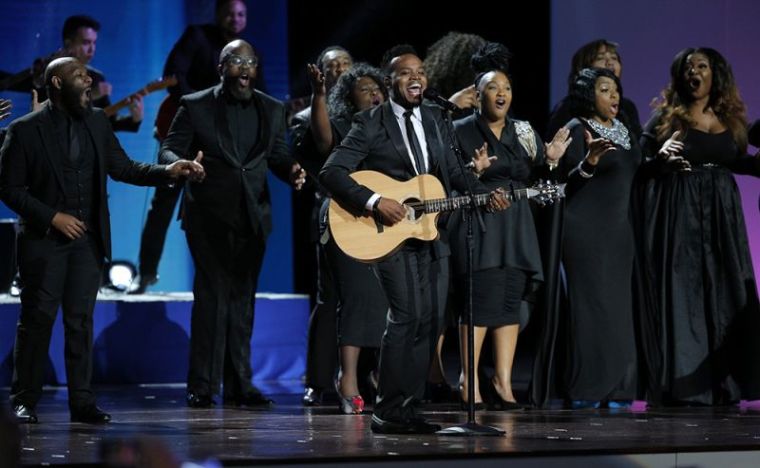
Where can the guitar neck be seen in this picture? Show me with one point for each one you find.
(158, 85)
(117, 106)
(481, 199)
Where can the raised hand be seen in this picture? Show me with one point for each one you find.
(597, 147)
(316, 79)
(69, 226)
(672, 146)
(482, 161)
(556, 148)
(36, 104)
(465, 98)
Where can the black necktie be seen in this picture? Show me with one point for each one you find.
(73, 143)
(414, 143)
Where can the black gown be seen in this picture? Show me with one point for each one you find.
(506, 257)
(597, 259)
(702, 316)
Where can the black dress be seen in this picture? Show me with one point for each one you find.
(362, 305)
(702, 316)
(597, 258)
(506, 257)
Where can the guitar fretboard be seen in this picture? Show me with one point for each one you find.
(454, 203)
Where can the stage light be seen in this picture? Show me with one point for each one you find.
(121, 275)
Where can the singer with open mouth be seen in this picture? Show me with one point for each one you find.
(700, 326)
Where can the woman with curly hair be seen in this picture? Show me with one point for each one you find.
(701, 320)
(447, 64)
(362, 306)
(600, 53)
(506, 257)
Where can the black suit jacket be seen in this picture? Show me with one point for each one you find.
(31, 171)
(201, 124)
(375, 142)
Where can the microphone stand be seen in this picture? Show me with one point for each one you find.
(471, 428)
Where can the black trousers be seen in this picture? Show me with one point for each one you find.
(56, 272)
(322, 350)
(156, 224)
(227, 265)
(411, 280)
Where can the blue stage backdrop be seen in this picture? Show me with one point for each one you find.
(650, 33)
(133, 43)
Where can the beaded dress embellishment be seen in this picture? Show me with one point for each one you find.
(617, 134)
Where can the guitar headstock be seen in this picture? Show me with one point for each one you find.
(546, 192)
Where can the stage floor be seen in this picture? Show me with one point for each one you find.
(291, 434)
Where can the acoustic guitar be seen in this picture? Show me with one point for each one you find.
(153, 86)
(367, 239)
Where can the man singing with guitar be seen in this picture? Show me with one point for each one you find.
(402, 140)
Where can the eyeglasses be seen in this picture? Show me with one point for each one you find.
(239, 61)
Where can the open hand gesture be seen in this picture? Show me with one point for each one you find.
(556, 148)
(193, 170)
(316, 79)
(597, 147)
(482, 161)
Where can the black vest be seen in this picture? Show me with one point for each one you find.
(79, 179)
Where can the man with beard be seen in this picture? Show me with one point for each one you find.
(53, 168)
(402, 139)
(241, 132)
(193, 61)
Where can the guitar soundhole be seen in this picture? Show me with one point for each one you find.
(414, 209)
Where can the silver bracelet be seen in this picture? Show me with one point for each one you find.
(583, 173)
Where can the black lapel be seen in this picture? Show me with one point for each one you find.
(222, 129)
(394, 133)
(47, 135)
(496, 143)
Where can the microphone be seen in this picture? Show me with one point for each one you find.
(753, 134)
(432, 94)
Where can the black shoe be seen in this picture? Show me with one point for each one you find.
(410, 426)
(90, 414)
(252, 399)
(198, 400)
(311, 397)
(504, 405)
(144, 282)
(479, 406)
(25, 414)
